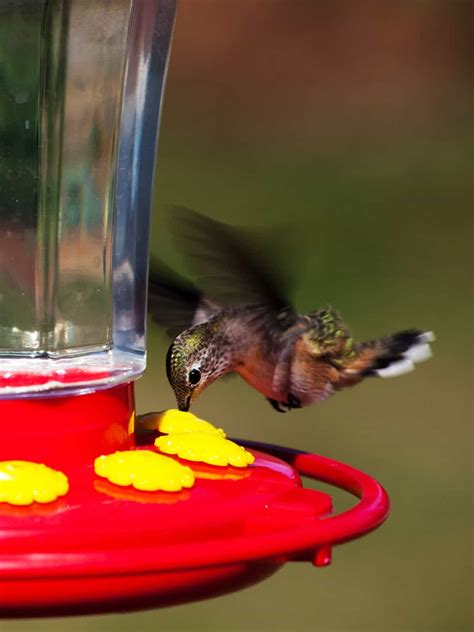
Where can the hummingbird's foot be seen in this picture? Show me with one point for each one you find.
(277, 406)
(293, 402)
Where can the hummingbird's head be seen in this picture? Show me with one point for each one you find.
(195, 359)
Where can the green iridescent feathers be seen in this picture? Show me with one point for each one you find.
(329, 336)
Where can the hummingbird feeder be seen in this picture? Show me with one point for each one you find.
(82, 83)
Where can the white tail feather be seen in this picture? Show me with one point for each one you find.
(426, 336)
(418, 352)
(396, 368)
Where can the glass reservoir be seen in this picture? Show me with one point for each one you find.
(81, 84)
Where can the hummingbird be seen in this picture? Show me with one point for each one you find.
(237, 319)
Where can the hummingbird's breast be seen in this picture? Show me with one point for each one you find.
(256, 349)
(257, 368)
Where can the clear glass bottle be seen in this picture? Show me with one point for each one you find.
(81, 84)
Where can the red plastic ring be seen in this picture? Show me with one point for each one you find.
(310, 536)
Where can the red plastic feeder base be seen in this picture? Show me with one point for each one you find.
(103, 547)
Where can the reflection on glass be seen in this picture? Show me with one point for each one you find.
(80, 92)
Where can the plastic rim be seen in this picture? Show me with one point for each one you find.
(371, 510)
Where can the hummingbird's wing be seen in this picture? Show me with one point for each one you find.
(174, 302)
(231, 263)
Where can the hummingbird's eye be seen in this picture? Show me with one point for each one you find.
(194, 376)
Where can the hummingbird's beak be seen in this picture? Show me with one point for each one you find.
(184, 406)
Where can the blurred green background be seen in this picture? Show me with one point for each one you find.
(350, 122)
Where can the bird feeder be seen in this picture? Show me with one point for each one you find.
(82, 84)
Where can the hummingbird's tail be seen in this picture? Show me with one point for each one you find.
(389, 356)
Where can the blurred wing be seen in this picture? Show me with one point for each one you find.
(174, 302)
(230, 263)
